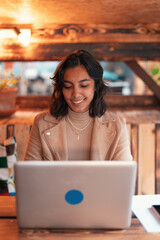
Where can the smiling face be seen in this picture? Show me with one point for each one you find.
(78, 90)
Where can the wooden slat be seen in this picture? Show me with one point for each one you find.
(129, 130)
(113, 101)
(2, 133)
(134, 141)
(22, 135)
(157, 158)
(134, 149)
(146, 159)
(10, 130)
(102, 51)
(145, 77)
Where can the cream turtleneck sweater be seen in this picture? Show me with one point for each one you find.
(79, 133)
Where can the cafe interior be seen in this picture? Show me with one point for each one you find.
(124, 36)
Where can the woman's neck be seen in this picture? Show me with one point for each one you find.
(78, 118)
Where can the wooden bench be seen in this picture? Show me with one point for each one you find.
(144, 133)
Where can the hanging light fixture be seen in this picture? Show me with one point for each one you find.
(24, 36)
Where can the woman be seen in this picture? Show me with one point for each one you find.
(78, 127)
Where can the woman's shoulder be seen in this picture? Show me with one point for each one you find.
(110, 116)
(45, 117)
(41, 115)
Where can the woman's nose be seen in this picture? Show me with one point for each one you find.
(75, 92)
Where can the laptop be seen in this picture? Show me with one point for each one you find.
(74, 194)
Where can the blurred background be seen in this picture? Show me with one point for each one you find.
(34, 77)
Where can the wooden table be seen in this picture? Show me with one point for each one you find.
(10, 230)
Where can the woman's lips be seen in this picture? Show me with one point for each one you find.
(77, 102)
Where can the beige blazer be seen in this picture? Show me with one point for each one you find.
(48, 140)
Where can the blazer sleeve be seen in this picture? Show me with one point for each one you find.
(34, 147)
(122, 151)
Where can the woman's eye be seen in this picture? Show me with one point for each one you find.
(67, 87)
(83, 86)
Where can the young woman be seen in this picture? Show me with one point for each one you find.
(78, 126)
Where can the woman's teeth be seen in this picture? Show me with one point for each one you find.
(76, 102)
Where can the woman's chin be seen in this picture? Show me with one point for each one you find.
(78, 109)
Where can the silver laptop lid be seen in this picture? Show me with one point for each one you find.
(74, 194)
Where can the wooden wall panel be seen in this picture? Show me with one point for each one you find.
(146, 159)
(134, 149)
(129, 130)
(134, 141)
(2, 133)
(22, 134)
(157, 159)
(10, 130)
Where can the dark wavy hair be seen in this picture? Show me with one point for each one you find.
(59, 107)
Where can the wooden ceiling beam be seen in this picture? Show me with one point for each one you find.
(113, 42)
(147, 79)
(102, 51)
(91, 33)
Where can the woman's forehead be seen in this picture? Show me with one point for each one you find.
(78, 73)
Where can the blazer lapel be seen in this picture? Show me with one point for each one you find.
(102, 137)
(57, 144)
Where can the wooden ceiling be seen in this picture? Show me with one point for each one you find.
(41, 12)
(111, 29)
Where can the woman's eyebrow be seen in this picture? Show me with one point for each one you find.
(83, 80)
(65, 81)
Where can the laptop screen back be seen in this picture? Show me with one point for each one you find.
(74, 194)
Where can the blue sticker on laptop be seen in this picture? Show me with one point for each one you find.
(74, 197)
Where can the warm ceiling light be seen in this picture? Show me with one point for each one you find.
(24, 35)
(8, 34)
